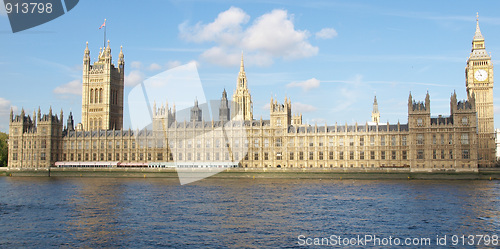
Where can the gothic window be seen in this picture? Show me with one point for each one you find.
(291, 155)
(464, 121)
(100, 95)
(465, 139)
(403, 140)
(420, 154)
(91, 96)
(465, 154)
(419, 122)
(420, 138)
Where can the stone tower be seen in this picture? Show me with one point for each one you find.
(375, 113)
(224, 108)
(102, 93)
(479, 83)
(242, 100)
(281, 114)
(196, 114)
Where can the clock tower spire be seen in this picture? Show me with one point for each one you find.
(479, 84)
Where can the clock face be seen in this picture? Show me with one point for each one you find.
(481, 75)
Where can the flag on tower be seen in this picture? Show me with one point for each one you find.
(103, 24)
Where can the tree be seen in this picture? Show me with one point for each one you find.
(3, 149)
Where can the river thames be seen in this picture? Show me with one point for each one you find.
(251, 213)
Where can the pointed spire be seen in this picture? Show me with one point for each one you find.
(11, 114)
(87, 51)
(478, 36)
(242, 67)
(50, 112)
(375, 105)
(120, 56)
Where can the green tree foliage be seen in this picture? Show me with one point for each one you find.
(3, 149)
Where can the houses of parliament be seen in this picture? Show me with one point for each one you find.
(460, 141)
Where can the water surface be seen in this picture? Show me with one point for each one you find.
(140, 213)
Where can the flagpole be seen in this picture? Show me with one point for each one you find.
(104, 33)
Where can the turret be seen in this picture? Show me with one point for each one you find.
(121, 60)
(196, 114)
(224, 111)
(375, 113)
(70, 123)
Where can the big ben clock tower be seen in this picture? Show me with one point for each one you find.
(479, 82)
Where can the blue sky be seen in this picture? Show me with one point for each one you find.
(329, 57)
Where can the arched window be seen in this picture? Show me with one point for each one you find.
(91, 124)
(100, 95)
(91, 96)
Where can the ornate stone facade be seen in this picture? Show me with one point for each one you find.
(102, 91)
(425, 143)
(479, 82)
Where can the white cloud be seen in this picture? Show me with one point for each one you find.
(318, 121)
(306, 85)
(349, 94)
(226, 28)
(326, 33)
(135, 77)
(172, 64)
(270, 36)
(72, 87)
(5, 106)
(275, 34)
(266, 106)
(136, 64)
(154, 67)
(298, 107)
